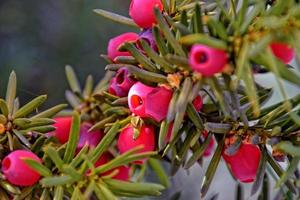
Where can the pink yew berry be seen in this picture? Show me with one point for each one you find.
(148, 37)
(91, 138)
(282, 51)
(207, 60)
(63, 126)
(146, 138)
(115, 43)
(244, 163)
(152, 102)
(17, 171)
(142, 12)
(121, 83)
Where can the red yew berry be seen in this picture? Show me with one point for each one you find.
(207, 60)
(142, 12)
(63, 126)
(121, 83)
(244, 163)
(91, 138)
(148, 37)
(146, 138)
(282, 51)
(123, 173)
(115, 43)
(198, 103)
(17, 171)
(145, 101)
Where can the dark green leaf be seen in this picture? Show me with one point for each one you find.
(72, 79)
(168, 34)
(115, 17)
(143, 189)
(11, 91)
(260, 172)
(29, 107)
(160, 172)
(141, 58)
(50, 112)
(57, 181)
(3, 107)
(140, 73)
(211, 169)
(198, 153)
(41, 169)
(203, 39)
(73, 138)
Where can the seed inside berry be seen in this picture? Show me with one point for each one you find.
(136, 101)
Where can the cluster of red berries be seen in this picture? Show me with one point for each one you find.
(146, 102)
(90, 138)
(152, 102)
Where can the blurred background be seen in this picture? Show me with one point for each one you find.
(37, 40)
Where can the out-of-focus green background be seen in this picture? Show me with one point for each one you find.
(38, 38)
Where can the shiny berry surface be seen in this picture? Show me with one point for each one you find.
(146, 138)
(207, 60)
(115, 43)
(142, 12)
(63, 126)
(244, 163)
(152, 102)
(16, 171)
(283, 52)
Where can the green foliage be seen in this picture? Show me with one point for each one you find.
(233, 105)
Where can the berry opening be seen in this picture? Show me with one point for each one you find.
(6, 163)
(136, 101)
(120, 77)
(201, 57)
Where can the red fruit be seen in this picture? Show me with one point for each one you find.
(63, 126)
(142, 12)
(198, 103)
(123, 173)
(121, 83)
(146, 138)
(244, 163)
(207, 60)
(145, 101)
(282, 51)
(91, 138)
(17, 171)
(115, 43)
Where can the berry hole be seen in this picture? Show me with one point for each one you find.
(120, 77)
(136, 101)
(6, 163)
(201, 57)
